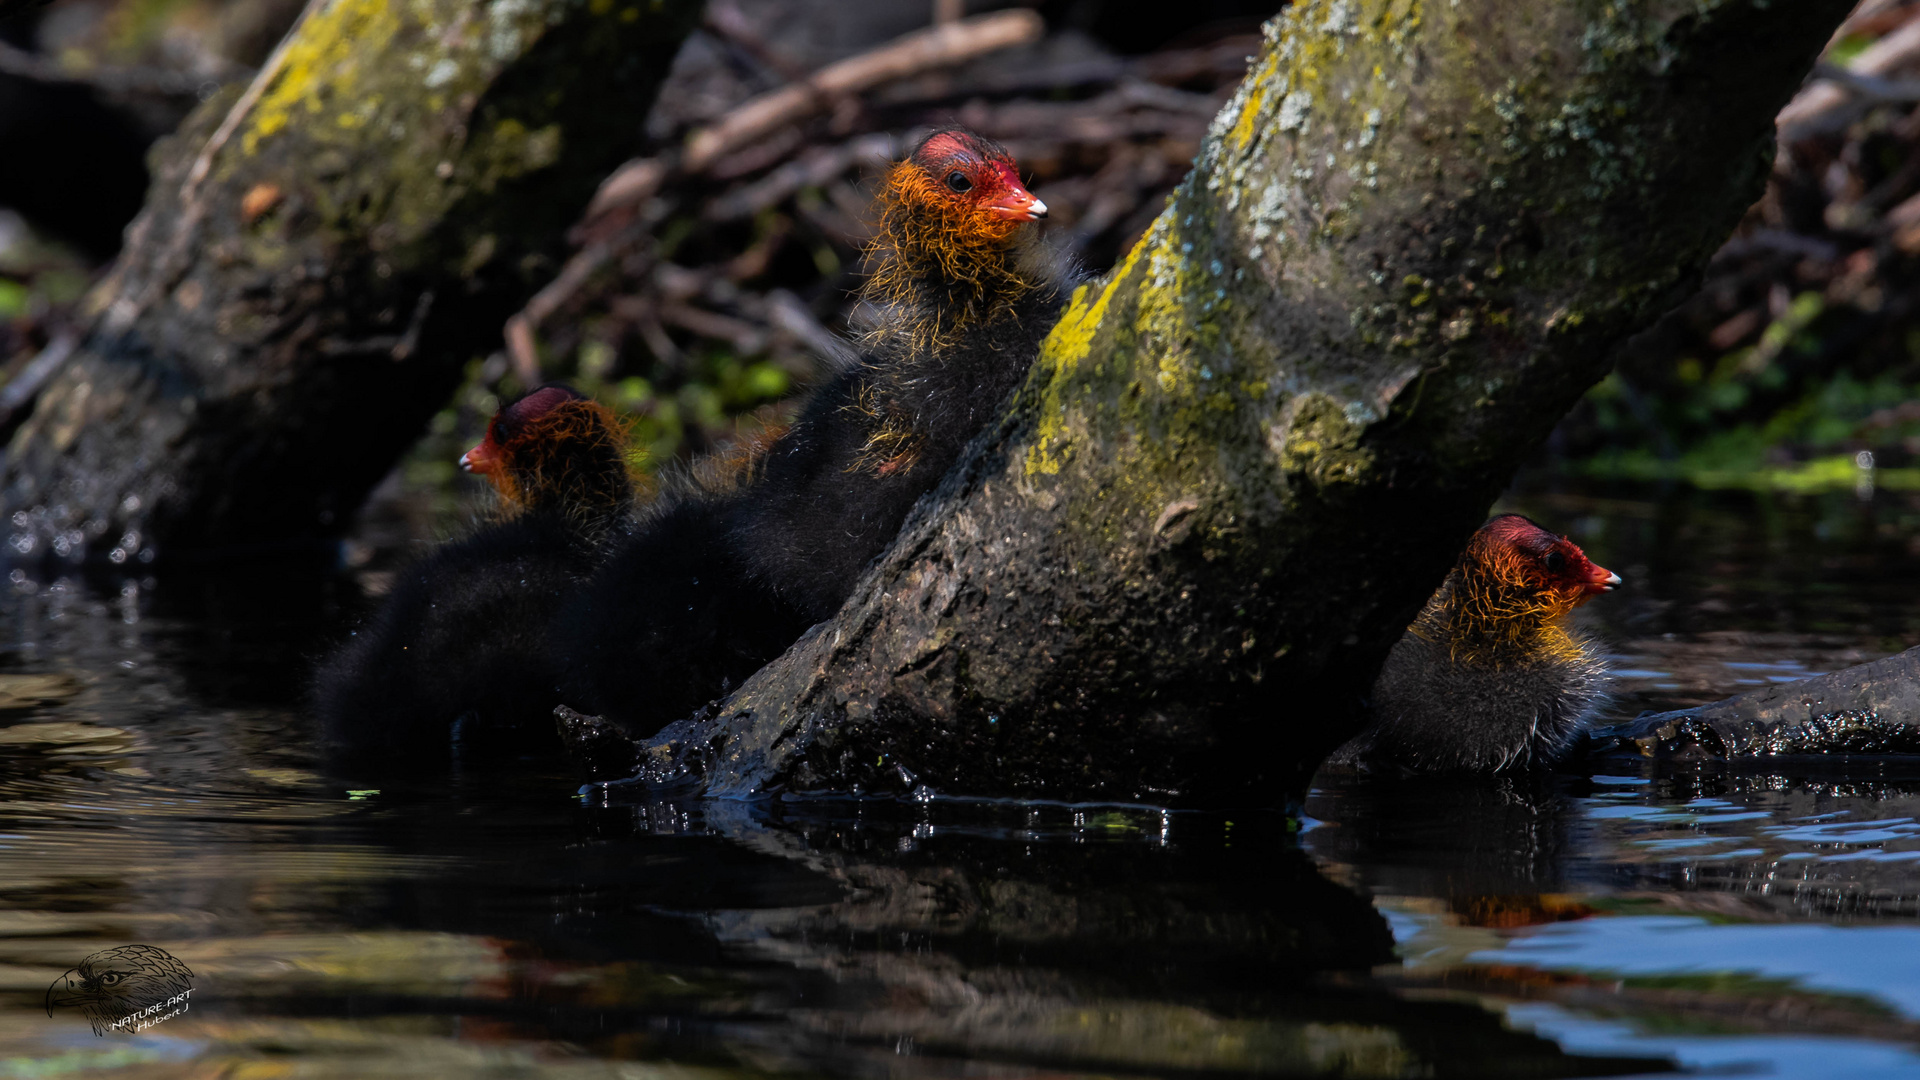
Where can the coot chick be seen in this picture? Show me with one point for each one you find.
(722, 578)
(457, 661)
(962, 292)
(1490, 676)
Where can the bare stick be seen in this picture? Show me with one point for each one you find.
(1804, 113)
(924, 50)
(520, 327)
(815, 168)
(116, 80)
(24, 387)
(726, 21)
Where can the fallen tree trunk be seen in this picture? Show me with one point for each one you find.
(1411, 240)
(1869, 708)
(320, 256)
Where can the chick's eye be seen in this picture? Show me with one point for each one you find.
(1555, 562)
(959, 183)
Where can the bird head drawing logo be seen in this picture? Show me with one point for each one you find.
(113, 987)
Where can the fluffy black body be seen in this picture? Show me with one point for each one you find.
(825, 506)
(1432, 712)
(1491, 675)
(672, 620)
(456, 664)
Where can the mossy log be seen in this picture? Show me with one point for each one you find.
(320, 255)
(1411, 240)
(1870, 709)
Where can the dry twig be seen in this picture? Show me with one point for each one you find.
(159, 82)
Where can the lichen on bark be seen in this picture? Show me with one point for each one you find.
(1414, 236)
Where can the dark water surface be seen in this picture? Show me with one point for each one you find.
(158, 786)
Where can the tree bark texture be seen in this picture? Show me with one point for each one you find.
(1869, 708)
(319, 257)
(1242, 461)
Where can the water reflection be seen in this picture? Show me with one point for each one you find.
(1694, 904)
(158, 785)
(1803, 1057)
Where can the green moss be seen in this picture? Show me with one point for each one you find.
(1324, 447)
(510, 150)
(359, 66)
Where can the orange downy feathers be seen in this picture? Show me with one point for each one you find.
(544, 453)
(943, 263)
(1514, 586)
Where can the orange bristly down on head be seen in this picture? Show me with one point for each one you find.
(949, 215)
(945, 261)
(1509, 595)
(555, 449)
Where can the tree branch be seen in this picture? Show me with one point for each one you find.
(1412, 239)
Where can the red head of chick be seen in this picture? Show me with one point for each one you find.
(555, 450)
(1510, 589)
(950, 216)
(1490, 675)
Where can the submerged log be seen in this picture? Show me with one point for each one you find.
(320, 256)
(1411, 240)
(1868, 709)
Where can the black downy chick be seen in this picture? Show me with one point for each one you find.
(718, 582)
(457, 663)
(962, 292)
(1489, 676)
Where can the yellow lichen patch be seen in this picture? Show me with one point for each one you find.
(1072, 337)
(1069, 343)
(1246, 126)
(323, 56)
(1175, 321)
